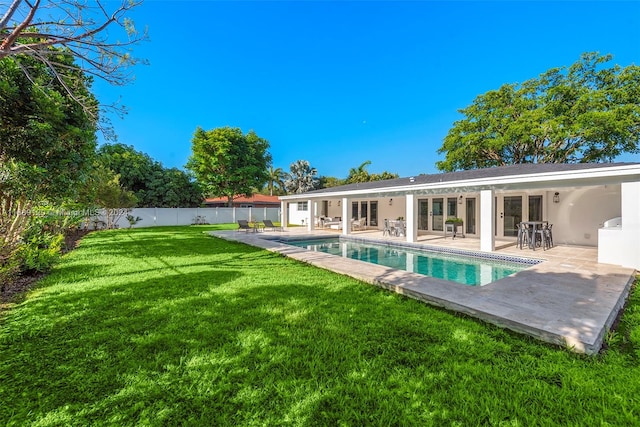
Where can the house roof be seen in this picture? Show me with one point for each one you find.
(256, 198)
(504, 177)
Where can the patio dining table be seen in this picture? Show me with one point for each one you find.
(398, 226)
(532, 226)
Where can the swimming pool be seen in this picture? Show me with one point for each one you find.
(472, 271)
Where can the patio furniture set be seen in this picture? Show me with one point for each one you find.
(256, 226)
(335, 223)
(535, 234)
(394, 227)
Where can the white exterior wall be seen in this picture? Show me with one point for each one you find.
(581, 212)
(619, 245)
(297, 217)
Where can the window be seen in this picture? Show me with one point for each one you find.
(452, 206)
(303, 206)
(535, 208)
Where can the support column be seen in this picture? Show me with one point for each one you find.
(284, 220)
(312, 215)
(630, 211)
(411, 216)
(346, 221)
(487, 215)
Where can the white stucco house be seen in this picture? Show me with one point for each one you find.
(589, 204)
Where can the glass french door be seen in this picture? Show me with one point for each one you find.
(512, 215)
(470, 219)
(423, 214)
(373, 219)
(437, 214)
(364, 210)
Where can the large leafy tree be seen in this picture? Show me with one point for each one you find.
(228, 163)
(47, 144)
(302, 177)
(153, 184)
(588, 112)
(42, 126)
(97, 33)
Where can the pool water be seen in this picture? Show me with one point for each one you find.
(472, 271)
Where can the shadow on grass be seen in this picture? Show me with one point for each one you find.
(208, 350)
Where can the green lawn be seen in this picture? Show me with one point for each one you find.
(168, 326)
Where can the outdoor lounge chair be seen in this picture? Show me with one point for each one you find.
(243, 224)
(335, 223)
(269, 224)
(358, 224)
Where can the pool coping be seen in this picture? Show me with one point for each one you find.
(555, 302)
(417, 246)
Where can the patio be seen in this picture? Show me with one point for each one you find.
(568, 299)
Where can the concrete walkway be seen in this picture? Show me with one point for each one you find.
(567, 299)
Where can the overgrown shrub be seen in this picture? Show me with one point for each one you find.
(43, 242)
(9, 270)
(41, 252)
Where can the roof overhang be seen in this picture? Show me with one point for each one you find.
(555, 179)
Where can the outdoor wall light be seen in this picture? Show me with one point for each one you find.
(390, 202)
(338, 202)
(556, 197)
(329, 203)
(460, 200)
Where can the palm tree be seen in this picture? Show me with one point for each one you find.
(302, 177)
(359, 174)
(275, 181)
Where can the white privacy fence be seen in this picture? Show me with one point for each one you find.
(187, 216)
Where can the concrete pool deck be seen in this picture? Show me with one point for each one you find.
(567, 299)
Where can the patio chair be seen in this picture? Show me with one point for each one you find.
(543, 237)
(357, 224)
(386, 230)
(243, 224)
(523, 235)
(549, 231)
(269, 224)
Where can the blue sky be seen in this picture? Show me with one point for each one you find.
(338, 83)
